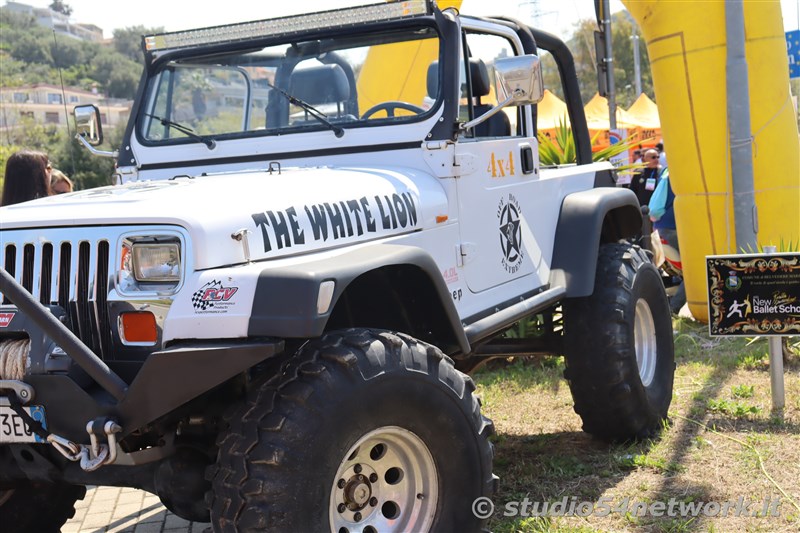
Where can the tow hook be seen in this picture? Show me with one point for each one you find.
(91, 457)
(99, 454)
(95, 455)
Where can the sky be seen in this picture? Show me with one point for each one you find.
(558, 16)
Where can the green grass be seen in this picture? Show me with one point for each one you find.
(734, 409)
(721, 383)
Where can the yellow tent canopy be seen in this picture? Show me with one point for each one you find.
(550, 110)
(644, 112)
(597, 115)
(596, 112)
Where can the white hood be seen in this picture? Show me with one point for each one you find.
(297, 211)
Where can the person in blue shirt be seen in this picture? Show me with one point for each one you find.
(662, 213)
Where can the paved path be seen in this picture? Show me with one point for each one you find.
(129, 510)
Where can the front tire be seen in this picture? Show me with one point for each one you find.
(362, 431)
(38, 507)
(618, 345)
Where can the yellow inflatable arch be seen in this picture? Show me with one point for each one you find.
(687, 48)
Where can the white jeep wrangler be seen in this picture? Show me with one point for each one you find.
(320, 222)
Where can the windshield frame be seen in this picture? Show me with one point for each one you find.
(342, 36)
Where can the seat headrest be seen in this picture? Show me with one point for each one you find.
(324, 84)
(477, 70)
(433, 79)
(480, 77)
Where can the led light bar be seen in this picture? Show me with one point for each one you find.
(287, 25)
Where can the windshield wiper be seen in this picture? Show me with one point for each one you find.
(189, 132)
(311, 110)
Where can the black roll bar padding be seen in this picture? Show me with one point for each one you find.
(61, 335)
(572, 92)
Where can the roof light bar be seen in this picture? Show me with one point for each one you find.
(287, 25)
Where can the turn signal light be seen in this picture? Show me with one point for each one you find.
(138, 327)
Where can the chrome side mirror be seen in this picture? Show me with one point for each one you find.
(520, 79)
(89, 131)
(87, 124)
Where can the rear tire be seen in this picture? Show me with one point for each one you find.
(362, 431)
(38, 507)
(618, 347)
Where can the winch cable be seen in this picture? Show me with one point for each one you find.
(14, 358)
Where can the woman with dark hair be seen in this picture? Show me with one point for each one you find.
(27, 177)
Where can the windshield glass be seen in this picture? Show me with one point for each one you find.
(339, 82)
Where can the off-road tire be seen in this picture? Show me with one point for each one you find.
(600, 344)
(278, 461)
(33, 507)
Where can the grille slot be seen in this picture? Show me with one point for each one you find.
(73, 276)
(47, 273)
(64, 270)
(10, 264)
(27, 268)
(101, 293)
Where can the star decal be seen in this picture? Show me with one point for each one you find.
(509, 233)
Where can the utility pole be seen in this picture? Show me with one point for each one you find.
(740, 136)
(609, 62)
(637, 71)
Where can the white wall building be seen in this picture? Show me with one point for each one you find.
(58, 21)
(47, 104)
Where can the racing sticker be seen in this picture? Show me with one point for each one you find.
(5, 319)
(214, 298)
(508, 216)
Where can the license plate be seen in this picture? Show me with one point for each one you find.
(13, 428)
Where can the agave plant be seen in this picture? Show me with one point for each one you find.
(560, 150)
(782, 246)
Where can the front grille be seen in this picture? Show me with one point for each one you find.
(72, 274)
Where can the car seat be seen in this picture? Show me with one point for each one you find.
(497, 125)
(321, 85)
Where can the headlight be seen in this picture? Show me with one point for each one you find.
(156, 262)
(150, 263)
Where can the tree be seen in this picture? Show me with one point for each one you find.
(67, 52)
(61, 7)
(123, 83)
(581, 44)
(623, 27)
(86, 170)
(116, 73)
(30, 49)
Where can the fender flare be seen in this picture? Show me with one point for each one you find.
(587, 219)
(285, 300)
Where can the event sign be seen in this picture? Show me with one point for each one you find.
(754, 294)
(614, 137)
(793, 49)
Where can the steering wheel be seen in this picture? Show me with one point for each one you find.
(390, 108)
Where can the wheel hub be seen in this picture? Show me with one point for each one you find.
(645, 343)
(386, 482)
(357, 492)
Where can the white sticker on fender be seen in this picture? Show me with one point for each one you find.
(214, 298)
(213, 304)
